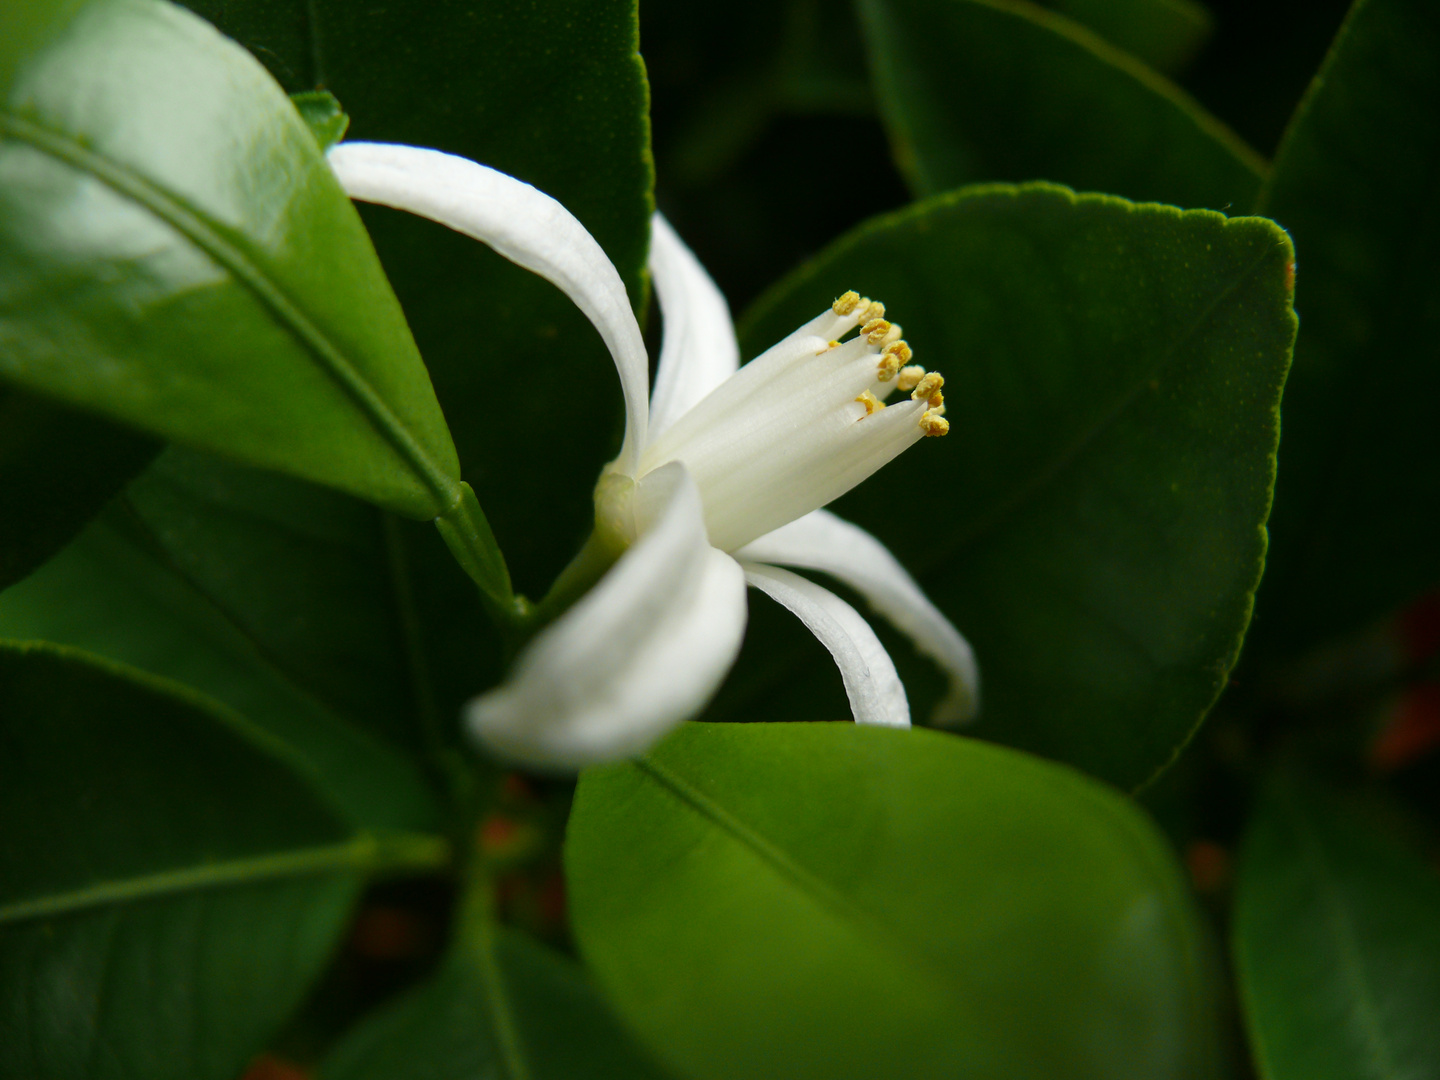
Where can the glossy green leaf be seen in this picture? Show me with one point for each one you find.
(170, 882)
(269, 595)
(1004, 90)
(175, 253)
(58, 468)
(1337, 944)
(1357, 511)
(836, 901)
(1165, 34)
(501, 1006)
(1094, 521)
(322, 115)
(553, 92)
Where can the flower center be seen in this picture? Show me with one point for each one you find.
(792, 430)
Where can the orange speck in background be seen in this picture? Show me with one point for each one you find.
(266, 1067)
(387, 933)
(1413, 729)
(1209, 865)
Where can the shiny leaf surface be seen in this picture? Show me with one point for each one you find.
(1094, 521)
(831, 900)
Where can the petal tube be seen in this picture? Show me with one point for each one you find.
(876, 694)
(699, 351)
(821, 541)
(524, 225)
(642, 651)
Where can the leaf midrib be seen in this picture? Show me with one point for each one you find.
(192, 224)
(1045, 476)
(365, 851)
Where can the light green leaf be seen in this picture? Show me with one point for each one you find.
(836, 901)
(1094, 521)
(322, 115)
(1165, 34)
(170, 883)
(1357, 511)
(175, 253)
(267, 594)
(58, 468)
(1005, 90)
(1337, 944)
(500, 1006)
(553, 92)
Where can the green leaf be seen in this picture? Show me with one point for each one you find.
(57, 469)
(322, 115)
(1337, 943)
(170, 883)
(1094, 521)
(269, 595)
(175, 253)
(1004, 90)
(830, 900)
(501, 1005)
(1357, 512)
(552, 92)
(1166, 34)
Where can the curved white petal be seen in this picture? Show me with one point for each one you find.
(523, 224)
(876, 694)
(821, 541)
(642, 651)
(699, 350)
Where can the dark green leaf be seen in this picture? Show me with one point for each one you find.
(1094, 522)
(271, 596)
(552, 92)
(1004, 90)
(175, 253)
(57, 469)
(322, 115)
(829, 900)
(501, 1006)
(1357, 513)
(1166, 34)
(1337, 944)
(169, 883)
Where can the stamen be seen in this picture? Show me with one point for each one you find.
(888, 367)
(933, 424)
(929, 386)
(875, 331)
(876, 309)
(870, 401)
(910, 377)
(846, 303)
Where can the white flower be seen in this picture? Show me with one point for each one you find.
(720, 477)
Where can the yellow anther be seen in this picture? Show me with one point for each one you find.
(875, 330)
(910, 377)
(876, 309)
(900, 350)
(928, 387)
(870, 401)
(892, 336)
(846, 303)
(834, 344)
(888, 367)
(936, 400)
(933, 424)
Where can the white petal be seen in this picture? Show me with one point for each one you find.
(523, 224)
(699, 351)
(821, 541)
(875, 691)
(642, 651)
